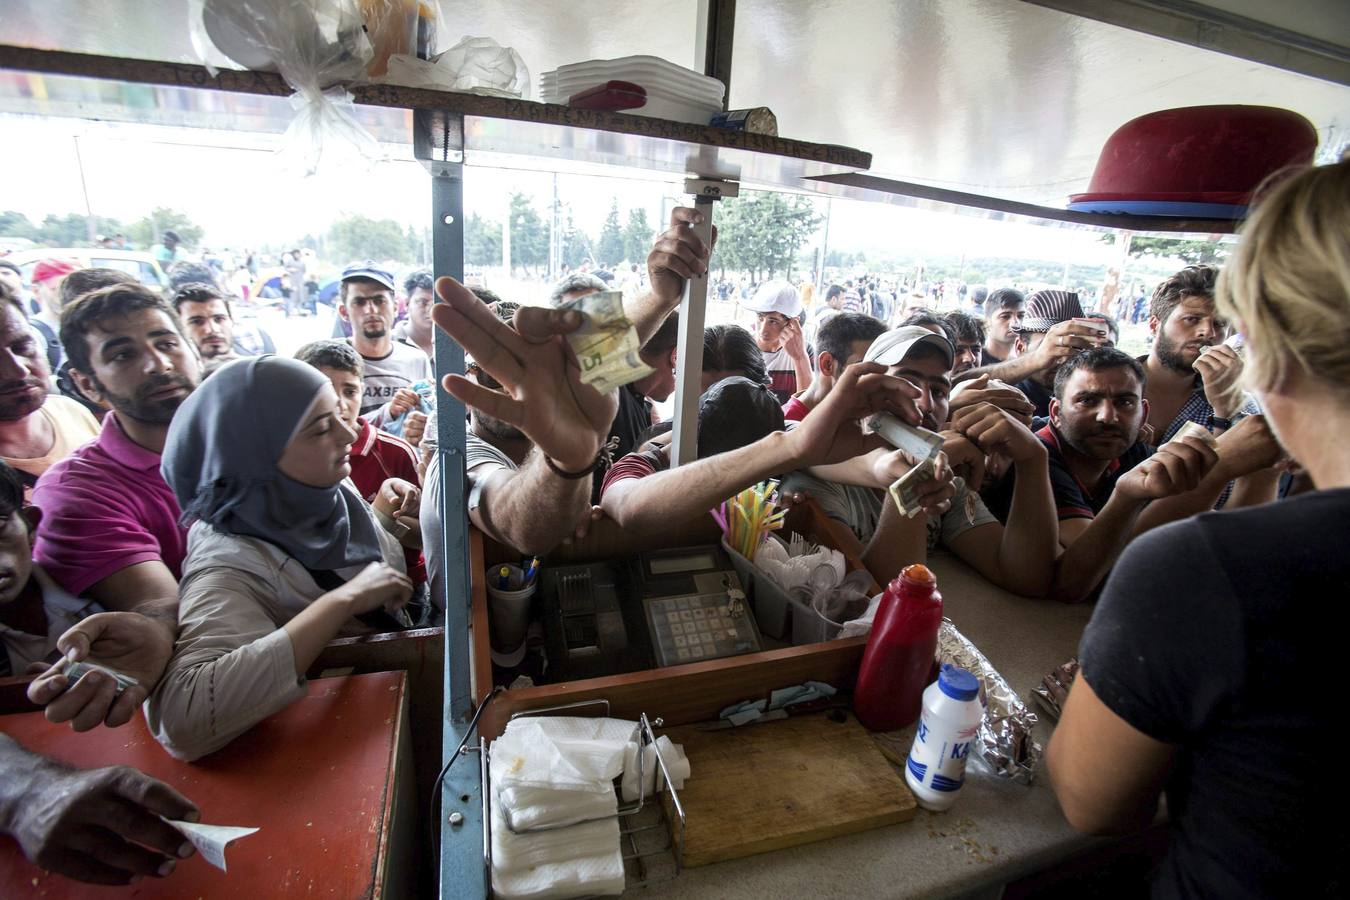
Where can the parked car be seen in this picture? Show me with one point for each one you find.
(136, 263)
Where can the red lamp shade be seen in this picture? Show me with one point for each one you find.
(1200, 154)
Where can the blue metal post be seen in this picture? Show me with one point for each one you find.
(438, 143)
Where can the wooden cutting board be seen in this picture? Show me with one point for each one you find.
(779, 784)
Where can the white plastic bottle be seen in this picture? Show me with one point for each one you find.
(952, 712)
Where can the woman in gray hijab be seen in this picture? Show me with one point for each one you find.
(283, 554)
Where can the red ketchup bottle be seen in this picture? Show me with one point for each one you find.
(898, 661)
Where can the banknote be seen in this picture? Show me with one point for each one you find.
(74, 671)
(1191, 429)
(903, 488)
(919, 443)
(210, 840)
(606, 344)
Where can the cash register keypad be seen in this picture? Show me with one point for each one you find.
(699, 627)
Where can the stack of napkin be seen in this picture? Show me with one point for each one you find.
(559, 771)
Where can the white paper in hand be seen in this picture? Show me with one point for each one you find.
(210, 840)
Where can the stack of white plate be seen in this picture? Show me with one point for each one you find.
(673, 92)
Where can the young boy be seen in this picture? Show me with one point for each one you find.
(34, 610)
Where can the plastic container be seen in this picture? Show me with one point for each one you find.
(898, 660)
(952, 713)
(766, 598)
(509, 608)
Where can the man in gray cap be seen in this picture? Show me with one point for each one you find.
(1053, 329)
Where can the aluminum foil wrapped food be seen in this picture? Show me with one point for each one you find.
(1005, 741)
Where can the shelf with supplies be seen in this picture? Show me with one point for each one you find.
(503, 126)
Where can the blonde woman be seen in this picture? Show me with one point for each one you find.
(1210, 669)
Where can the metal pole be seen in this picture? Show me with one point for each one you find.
(689, 349)
(438, 143)
(90, 225)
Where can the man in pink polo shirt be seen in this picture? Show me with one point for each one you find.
(110, 528)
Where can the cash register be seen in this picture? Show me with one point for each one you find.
(663, 608)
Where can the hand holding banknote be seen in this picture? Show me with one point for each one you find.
(542, 392)
(606, 344)
(1176, 467)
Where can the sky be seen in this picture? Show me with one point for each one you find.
(241, 191)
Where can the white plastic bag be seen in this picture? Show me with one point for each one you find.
(317, 46)
(476, 65)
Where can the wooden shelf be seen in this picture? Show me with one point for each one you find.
(517, 127)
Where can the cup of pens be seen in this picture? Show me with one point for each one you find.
(511, 589)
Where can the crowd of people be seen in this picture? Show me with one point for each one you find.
(182, 505)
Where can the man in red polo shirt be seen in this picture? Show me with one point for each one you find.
(376, 456)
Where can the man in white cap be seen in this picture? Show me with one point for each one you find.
(1019, 557)
(779, 335)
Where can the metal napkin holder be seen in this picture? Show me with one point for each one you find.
(632, 822)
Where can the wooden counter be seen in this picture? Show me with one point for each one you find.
(327, 780)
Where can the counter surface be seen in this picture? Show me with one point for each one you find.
(997, 832)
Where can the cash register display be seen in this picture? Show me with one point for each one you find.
(698, 627)
(667, 565)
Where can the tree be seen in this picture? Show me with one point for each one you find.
(577, 247)
(148, 231)
(761, 233)
(16, 224)
(610, 251)
(357, 237)
(529, 235)
(637, 236)
(1191, 252)
(482, 241)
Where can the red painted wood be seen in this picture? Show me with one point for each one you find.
(316, 778)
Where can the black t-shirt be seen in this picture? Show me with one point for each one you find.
(1073, 499)
(1222, 634)
(631, 421)
(1036, 394)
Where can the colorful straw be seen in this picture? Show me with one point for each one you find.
(747, 518)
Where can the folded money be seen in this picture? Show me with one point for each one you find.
(606, 344)
(74, 671)
(1191, 429)
(903, 488)
(919, 443)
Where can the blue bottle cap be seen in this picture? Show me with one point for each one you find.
(957, 683)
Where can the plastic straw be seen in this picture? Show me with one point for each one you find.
(747, 518)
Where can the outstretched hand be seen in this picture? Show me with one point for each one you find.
(542, 394)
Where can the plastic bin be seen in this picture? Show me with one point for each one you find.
(766, 597)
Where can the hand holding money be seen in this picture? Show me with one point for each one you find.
(541, 392)
(928, 488)
(606, 344)
(1220, 368)
(1177, 466)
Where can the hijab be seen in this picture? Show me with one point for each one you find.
(221, 455)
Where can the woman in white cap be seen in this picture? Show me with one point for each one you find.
(1210, 669)
(779, 335)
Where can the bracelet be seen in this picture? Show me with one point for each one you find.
(1213, 421)
(603, 458)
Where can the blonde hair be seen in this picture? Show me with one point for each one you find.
(1289, 281)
